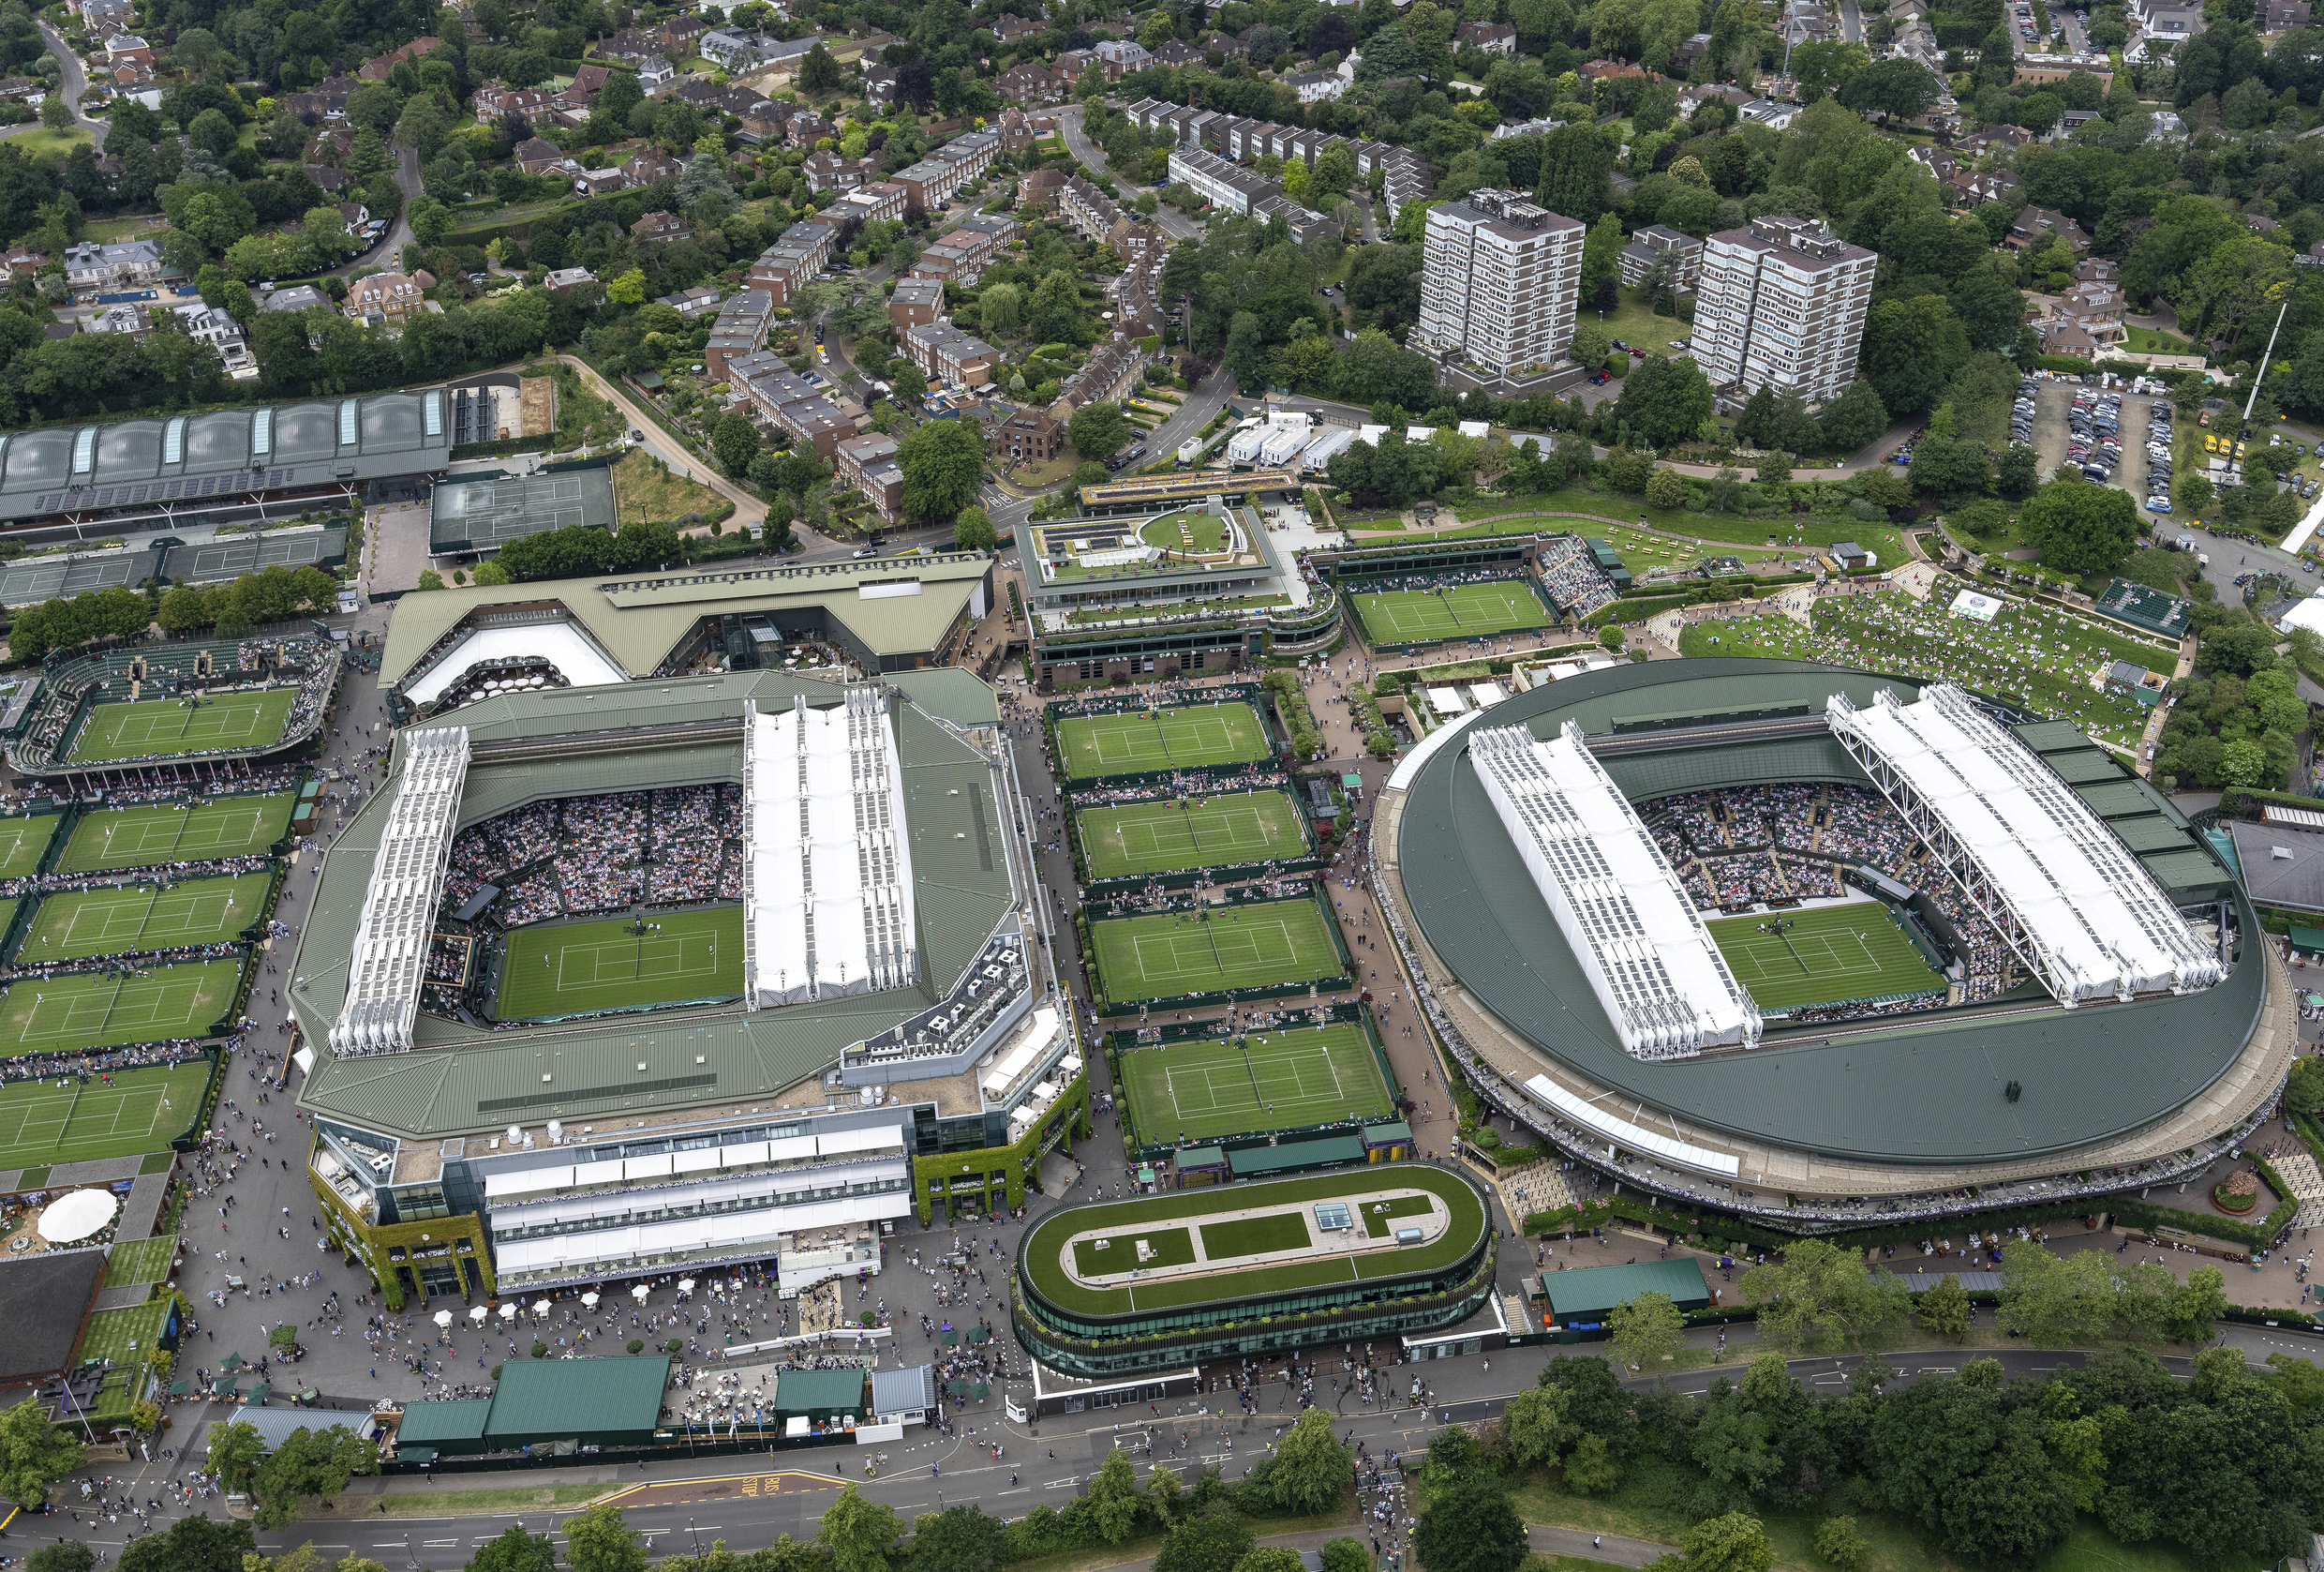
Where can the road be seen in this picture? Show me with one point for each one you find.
(1851, 22)
(389, 252)
(75, 81)
(1169, 220)
(1044, 1464)
(748, 509)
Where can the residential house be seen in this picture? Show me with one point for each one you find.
(2162, 26)
(535, 155)
(2033, 223)
(92, 267)
(586, 82)
(1039, 191)
(805, 127)
(946, 354)
(1121, 56)
(1689, 54)
(740, 330)
(214, 327)
(2280, 16)
(1315, 87)
(494, 100)
(1028, 436)
(24, 259)
(376, 67)
(731, 48)
(794, 261)
(1017, 129)
(1073, 64)
(879, 86)
(1975, 187)
(388, 297)
(784, 59)
(1089, 210)
(2096, 270)
(961, 255)
(354, 214)
(1541, 128)
(325, 101)
(128, 49)
(127, 319)
(650, 166)
(1175, 52)
(868, 463)
(629, 46)
(331, 146)
(600, 183)
(787, 401)
(2312, 257)
(1108, 377)
(2070, 122)
(916, 302)
(1008, 29)
(291, 298)
(660, 225)
(1494, 38)
(698, 301)
(655, 74)
(2060, 337)
(24, 90)
(831, 172)
(2261, 222)
(680, 37)
(882, 199)
(564, 280)
(1029, 81)
(2096, 308)
(1996, 140)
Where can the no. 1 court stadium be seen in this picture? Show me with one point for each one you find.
(1215, 948)
(1250, 1269)
(144, 835)
(1140, 741)
(159, 728)
(1288, 1078)
(1177, 833)
(140, 919)
(1448, 612)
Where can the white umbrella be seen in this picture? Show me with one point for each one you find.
(589, 1299)
(443, 1318)
(685, 1285)
(541, 1307)
(477, 1314)
(75, 1216)
(639, 1293)
(508, 1313)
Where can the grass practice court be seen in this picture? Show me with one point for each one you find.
(1450, 611)
(1179, 834)
(566, 968)
(98, 1010)
(1275, 1080)
(1137, 740)
(139, 1110)
(1215, 948)
(129, 919)
(1852, 951)
(22, 842)
(141, 836)
(221, 722)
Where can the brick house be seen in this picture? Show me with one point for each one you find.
(916, 303)
(650, 166)
(868, 463)
(535, 155)
(392, 296)
(659, 226)
(1029, 435)
(946, 354)
(376, 67)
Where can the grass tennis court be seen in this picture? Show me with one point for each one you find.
(1450, 611)
(140, 1111)
(138, 837)
(1277, 1080)
(23, 841)
(1849, 951)
(561, 968)
(141, 1261)
(99, 1009)
(126, 918)
(1215, 947)
(1138, 740)
(251, 719)
(1199, 832)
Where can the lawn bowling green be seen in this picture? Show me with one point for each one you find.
(1296, 1256)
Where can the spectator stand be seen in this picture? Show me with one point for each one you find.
(75, 682)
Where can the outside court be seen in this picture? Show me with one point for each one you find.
(1824, 953)
(83, 1010)
(252, 718)
(42, 1122)
(1178, 833)
(566, 968)
(1450, 611)
(1215, 948)
(141, 836)
(130, 919)
(1137, 740)
(23, 841)
(1286, 1079)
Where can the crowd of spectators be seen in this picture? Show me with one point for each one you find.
(86, 1064)
(575, 855)
(1576, 582)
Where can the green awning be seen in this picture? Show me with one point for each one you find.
(980, 1391)
(415, 1454)
(224, 1388)
(262, 1392)
(2308, 941)
(950, 1340)
(179, 1388)
(980, 1335)
(956, 1388)
(232, 1362)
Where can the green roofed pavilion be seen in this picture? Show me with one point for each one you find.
(603, 1403)
(1587, 1293)
(820, 1394)
(455, 1427)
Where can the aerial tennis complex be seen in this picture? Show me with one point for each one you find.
(1873, 948)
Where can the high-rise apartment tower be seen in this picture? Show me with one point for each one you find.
(1781, 302)
(1499, 280)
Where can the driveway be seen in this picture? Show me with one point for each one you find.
(389, 252)
(748, 509)
(76, 81)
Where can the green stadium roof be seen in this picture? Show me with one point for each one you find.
(1588, 1292)
(1926, 1091)
(467, 1081)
